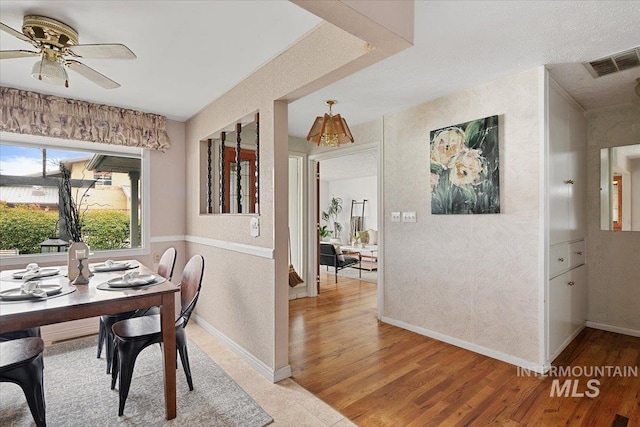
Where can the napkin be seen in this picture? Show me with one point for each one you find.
(129, 276)
(32, 287)
(32, 271)
(30, 275)
(133, 279)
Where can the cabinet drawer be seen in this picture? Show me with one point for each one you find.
(576, 254)
(567, 307)
(558, 259)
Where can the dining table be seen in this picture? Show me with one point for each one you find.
(78, 301)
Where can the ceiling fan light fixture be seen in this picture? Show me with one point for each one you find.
(51, 72)
(330, 130)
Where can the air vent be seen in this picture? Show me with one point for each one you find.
(614, 63)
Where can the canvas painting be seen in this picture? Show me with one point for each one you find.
(465, 176)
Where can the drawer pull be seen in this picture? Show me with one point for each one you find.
(579, 253)
(560, 259)
(571, 283)
(569, 181)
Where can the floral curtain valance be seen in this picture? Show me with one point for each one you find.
(47, 115)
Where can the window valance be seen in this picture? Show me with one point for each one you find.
(47, 115)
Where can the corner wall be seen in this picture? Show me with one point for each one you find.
(473, 280)
(244, 298)
(613, 270)
(168, 181)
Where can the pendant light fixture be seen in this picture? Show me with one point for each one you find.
(330, 130)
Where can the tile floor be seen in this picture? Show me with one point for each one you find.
(287, 402)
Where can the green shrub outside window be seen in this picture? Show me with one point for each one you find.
(24, 227)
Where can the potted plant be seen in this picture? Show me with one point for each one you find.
(361, 238)
(325, 233)
(71, 216)
(71, 221)
(331, 215)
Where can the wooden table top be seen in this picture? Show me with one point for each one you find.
(86, 301)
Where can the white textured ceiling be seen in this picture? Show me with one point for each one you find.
(462, 44)
(191, 52)
(188, 52)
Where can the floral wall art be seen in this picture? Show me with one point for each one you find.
(465, 175)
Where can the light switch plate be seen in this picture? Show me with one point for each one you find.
(254, 227)
(408, 217)
(395, 216)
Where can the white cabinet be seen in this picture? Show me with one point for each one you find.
(559, 169)
(567, 308)
(577, 253)
(558, 259)
(566, 293)
(567, 170)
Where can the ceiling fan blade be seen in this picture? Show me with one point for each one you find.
(15, 33)
(9, 54)
(91, 74)
(102, 51)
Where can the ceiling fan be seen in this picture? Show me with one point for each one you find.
(57, 45)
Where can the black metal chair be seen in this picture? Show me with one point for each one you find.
(331, 258)
(21, 363)
(23, 333)
(131, 336)
(165, 269)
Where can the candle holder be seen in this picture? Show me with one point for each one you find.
(81, 279)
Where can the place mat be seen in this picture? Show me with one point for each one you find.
(117, 266)
(16, 276)
(104, 286)
(66, 290)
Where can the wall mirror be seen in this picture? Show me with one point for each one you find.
(620, 188)
(231, 169)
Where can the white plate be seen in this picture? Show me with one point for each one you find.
(136, 280)
(16, 293)
(44, 272)
(116, 266)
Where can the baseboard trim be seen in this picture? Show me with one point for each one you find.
(67, 330)
(566, 342)
(272, 375)
(616, 329)
(485, 351)
(298, 293)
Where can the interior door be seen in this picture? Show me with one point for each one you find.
(317, 220)
(616, 203)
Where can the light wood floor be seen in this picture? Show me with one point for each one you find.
(379, 375)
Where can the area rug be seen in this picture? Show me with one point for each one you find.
(78, 393)
(352, 273)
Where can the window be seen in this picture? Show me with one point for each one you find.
(230, 169)
(102, 179)
(106, 184)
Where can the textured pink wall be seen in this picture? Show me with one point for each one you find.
(168, 185)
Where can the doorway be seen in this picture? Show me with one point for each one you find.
(297, 235)
(351, 174)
